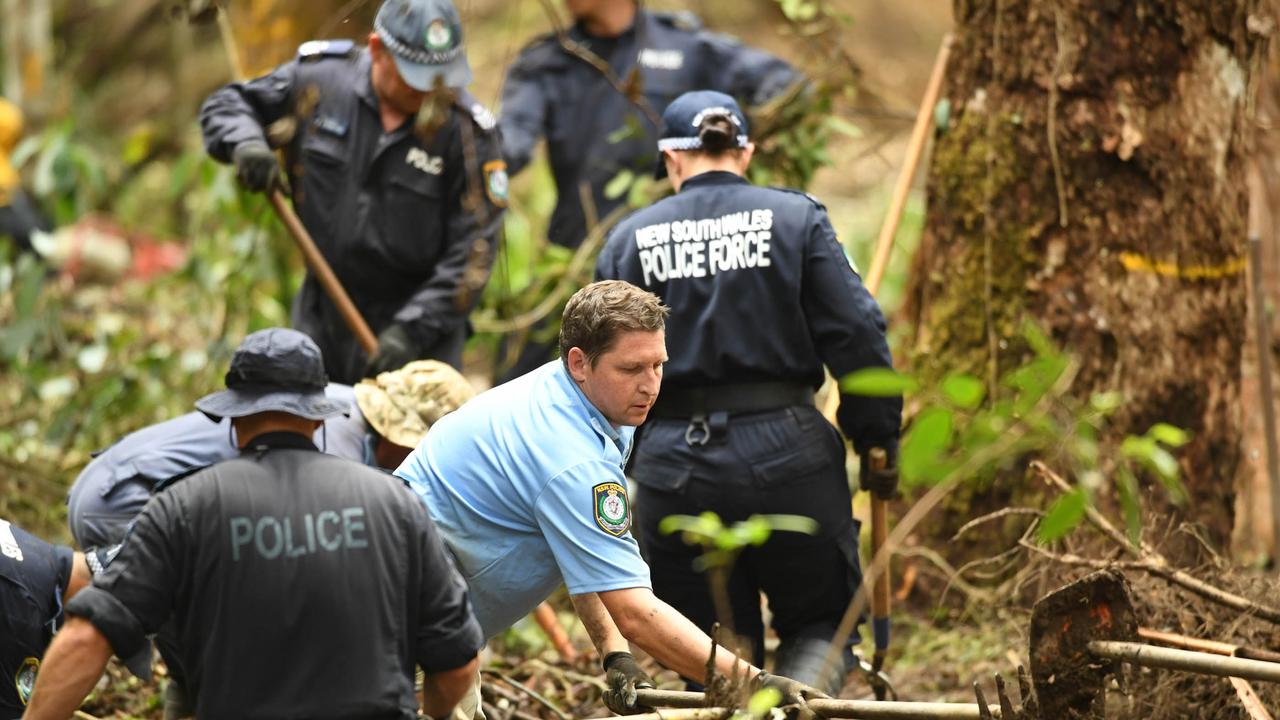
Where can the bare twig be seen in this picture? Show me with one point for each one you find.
(952, 575)
(1150, 561)
(1005, 512)
(542, 700)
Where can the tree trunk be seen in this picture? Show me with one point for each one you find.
(1091, 177)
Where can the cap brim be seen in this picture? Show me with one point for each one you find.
(238, 403)
(422, 78)
(140, 663)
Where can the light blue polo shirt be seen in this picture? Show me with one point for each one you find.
(525, 482)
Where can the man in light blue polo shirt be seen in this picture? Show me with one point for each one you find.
(526, 485)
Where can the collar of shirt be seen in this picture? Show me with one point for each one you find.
(620, 437)
(279, 440)
(713, 177)
(364, 81)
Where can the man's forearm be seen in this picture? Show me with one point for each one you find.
(72, 666)
(595, 618)
(442, 690)
(671, 638)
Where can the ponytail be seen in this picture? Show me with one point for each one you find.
(718, 134)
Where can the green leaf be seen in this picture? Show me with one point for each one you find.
(878, 382)
(763, 700)
(1127, 487)
(963, 391)
(617, 186)
(1106, 402)
(928, 437)
(844, 127)
(791, 523)
(1063, 516)
(1174, 437)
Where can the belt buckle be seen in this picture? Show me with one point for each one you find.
(698, 432)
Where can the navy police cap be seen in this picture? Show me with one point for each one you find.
(680, 121)
(425, 38)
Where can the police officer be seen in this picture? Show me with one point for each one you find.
(19, 217)
(385, 419)
(526, 485)
(395, 170)
(762, 296)
(304, 585)
(36, 578)
(551, 91)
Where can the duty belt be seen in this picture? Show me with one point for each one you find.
(717, 402)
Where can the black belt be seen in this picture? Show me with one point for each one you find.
(740, 398)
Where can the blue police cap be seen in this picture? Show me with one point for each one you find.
(274, 369)
(425, 39)
(680, 121)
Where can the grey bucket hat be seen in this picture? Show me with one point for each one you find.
(425, 39)
(274, 369)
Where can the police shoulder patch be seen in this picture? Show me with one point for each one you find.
(497, 184)
(25, 679)
(612, 508)
(316, 49)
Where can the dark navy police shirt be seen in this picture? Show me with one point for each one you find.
(593, 131)
(302, 585)
(760, 290)
(33, 577)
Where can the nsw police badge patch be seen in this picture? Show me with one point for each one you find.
(496, 182)
(613, 509)
(25, 679)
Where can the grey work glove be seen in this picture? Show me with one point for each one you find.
(256, 166)
(396, 348)
(624, 676)
(882, 483)
(795, 694)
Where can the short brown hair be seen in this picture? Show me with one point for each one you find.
(597, 314)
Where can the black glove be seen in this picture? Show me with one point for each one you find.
(794, 694)
(256, 166)
(624, 677)
(396, 348)
(883, 483)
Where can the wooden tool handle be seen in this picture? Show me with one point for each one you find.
(324, 273)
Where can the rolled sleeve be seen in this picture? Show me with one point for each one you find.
(448, 635)
(116, 623)
(134, 595)
(590, 558)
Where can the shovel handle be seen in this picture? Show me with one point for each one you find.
(324, 273)
(880, 584)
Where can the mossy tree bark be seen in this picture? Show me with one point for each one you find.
(1090, 176)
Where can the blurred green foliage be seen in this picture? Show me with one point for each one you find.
(967, 431)
(82, 364)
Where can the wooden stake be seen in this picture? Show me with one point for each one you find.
(898, 202)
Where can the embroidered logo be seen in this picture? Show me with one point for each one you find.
(661, 59)
(613, 509)
(8, 543)
(25, 678)
(496, 182)
(420, 159)
(439, 36)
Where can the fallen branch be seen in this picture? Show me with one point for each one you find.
(542, 700)
(1151, 561)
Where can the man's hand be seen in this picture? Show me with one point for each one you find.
(882, 482)
(794, 693)
(624, 677)
(395, 350)
(256, 166)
